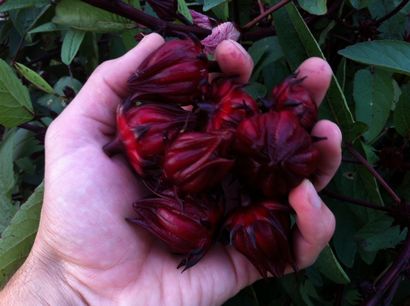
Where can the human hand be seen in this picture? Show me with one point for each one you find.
(98, 258)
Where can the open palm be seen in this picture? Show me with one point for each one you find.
(88, 196)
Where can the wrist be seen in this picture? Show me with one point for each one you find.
(40, 281)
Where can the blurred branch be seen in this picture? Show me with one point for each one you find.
(121, 8)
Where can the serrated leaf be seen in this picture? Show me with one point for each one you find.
(20, 4)
(373, 94)
(71, 44)
(34, 78)
(378, 234)
(82, 16)
(401, 115)
(15, 103)
(17, 239)
(209, 4)
(329, 266)
(393, 55)
(315, 7)
(184, 10)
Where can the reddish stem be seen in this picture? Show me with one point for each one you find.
(388, 279)
(376, 175)
(264, 14)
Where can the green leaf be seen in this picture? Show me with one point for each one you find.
(328, 265)
(7, 179)
(264, 52)
(47, 27)
(7, 212)
(315, 7)
(256, 90)
(17, 239)
(209, 4)
(67, 81)
(374, 94)
(24, 19)
(82, 16)
(359, 4)
(184, 10)
(298, 44)
(393, 55)
(71, 45)
(15, 103)
(379, 234)
(34, 78)
(401, 115)
(20, 4)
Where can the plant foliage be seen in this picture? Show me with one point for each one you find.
(49, 48)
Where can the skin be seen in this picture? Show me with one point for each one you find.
(85, 253)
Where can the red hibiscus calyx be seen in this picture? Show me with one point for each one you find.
(261, 232)
(187, 226)
(177, 72)
(197, 161)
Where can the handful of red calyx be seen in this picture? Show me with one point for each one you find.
(219, 164)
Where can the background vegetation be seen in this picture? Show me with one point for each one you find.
(49, 48)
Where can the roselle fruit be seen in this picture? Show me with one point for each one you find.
(188, 226)
(261, 232)
(197, 161)
(232, 105)
(274, 153)
(290, 95)
(146, 130)
(177, 72)
(218, 164)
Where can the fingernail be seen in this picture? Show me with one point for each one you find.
(312, 195)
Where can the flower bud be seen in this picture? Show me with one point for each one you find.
(233, 105)
(202, 20)
(146, 130)
(188, 226)
(275, 153)
(260, 232)
(290, 95)
(177, 72)
(197, 161)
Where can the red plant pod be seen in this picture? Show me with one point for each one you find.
(260, 232)
(165, 9)
(275, 153)
(188, 226)
(146, 130)
(197, 161)
(233, 105)
(292, 96)
(176, 72)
